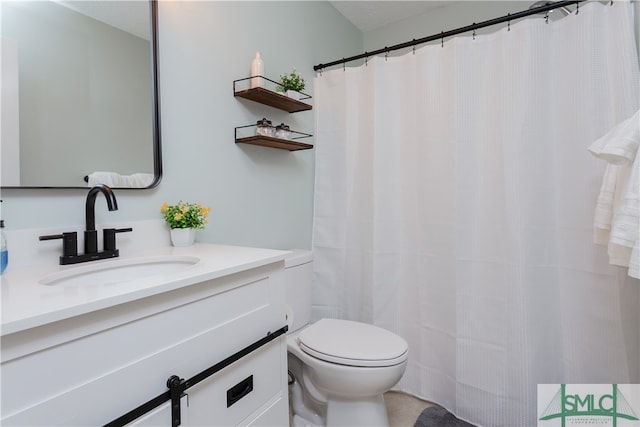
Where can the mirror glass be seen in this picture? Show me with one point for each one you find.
(79, 94)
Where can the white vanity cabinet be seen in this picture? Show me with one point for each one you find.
(93, 368)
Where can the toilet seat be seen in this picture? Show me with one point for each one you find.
(351, 343)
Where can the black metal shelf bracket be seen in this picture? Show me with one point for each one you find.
(177, 386)
(277, 84)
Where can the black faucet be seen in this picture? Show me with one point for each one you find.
(70, 246)
(90, 233)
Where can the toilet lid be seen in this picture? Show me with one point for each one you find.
(352, 343)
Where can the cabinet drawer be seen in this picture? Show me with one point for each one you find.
(210, 403)
(204, 404)
(275, 413)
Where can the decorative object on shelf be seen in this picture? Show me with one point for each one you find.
(283, 131)
(292, 84)
(265, 128)
(294, 94)
(184, 219)
(248, 135)
(257, 71)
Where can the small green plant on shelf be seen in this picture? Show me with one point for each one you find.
(291, 81)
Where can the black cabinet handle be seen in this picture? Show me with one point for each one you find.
(239, 390)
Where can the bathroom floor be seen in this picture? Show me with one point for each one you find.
(403, 409)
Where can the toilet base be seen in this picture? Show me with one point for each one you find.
(368, 412)
(298, 421)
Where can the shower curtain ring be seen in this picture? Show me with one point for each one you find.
(546, 18)
(474, 32)
(577, 8)
(386, 54)
(414, 46)
(441, 38)
(509, 22)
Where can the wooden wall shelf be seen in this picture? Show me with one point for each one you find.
(273, 99)
(266, 94)
(262, 95)
(269, 141)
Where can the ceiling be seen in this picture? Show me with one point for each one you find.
(131, 16)
(370, 15)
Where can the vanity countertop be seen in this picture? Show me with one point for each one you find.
(26, 303)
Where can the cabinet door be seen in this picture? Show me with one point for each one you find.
(247, 392)
(161, 416)
(241, 391)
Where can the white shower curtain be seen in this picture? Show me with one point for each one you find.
(454, 204)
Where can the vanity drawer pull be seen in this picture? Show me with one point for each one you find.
(239, 390)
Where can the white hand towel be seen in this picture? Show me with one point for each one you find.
(109, 179)
(141, 180)
(115, 180)
(617, 215)
(634, 261)
(626, 220)
(136, 180)
(614, 183)
(620, 145)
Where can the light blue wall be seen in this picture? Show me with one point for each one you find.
(259, 196)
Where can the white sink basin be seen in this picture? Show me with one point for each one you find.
(112, 272)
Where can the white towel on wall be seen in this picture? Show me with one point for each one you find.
(140, 180)
(613, 184)
(624, 235)
(620, 145)
(114, 179)
(106, 178)
(617, 215)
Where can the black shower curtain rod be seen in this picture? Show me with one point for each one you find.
(442, 35)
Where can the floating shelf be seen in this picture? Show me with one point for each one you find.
(269, 141)
(265, 96)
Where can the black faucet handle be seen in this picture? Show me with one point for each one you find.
(69, 242)
(109, 235)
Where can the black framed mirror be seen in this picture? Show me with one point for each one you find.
(80, 97)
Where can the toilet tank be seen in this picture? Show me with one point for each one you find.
(298, 274)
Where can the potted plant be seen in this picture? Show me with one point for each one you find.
(184, 219)
(292, 84)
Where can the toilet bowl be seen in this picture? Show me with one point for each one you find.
(339, 368)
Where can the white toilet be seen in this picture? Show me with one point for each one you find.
(338, 369)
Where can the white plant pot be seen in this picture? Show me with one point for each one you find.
(293, 94)
(183, 236)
